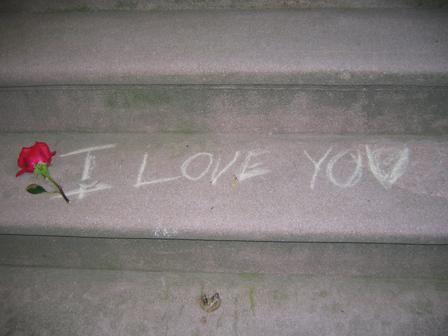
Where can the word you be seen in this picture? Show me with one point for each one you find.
(386, 164)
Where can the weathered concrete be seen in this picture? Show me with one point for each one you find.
(225, 109)
(243, 187)
(226, 47)
(42, 6)
(171, 255)
(251, 200)
(74, 302)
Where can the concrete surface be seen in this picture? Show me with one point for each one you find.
(233, 187)
(365, 214)
(172, 255)
(124, 5)
(227, 109)
(404, 47)
(81, 302)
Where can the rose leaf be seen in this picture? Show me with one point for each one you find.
(35, 189)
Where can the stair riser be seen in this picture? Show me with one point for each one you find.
(337, 259)
(239, 109)
(44, 301)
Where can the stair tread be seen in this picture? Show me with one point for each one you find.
(322, 46)
(233, 187)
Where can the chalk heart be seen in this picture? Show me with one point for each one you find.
(387, 164)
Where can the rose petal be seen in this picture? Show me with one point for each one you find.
(43, 146)
(24, 170)
(30, 156)
(23, 154)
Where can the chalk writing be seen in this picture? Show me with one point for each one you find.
(247, 170)
(163, 232)
(216, 175)
(316, 165)
(89, 165)
(356, 175)
(383, 159)
(187, 162)
(140, 181)
(387, 165)
(89, 149)
(251, 170)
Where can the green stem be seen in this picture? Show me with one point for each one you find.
(58, 187)
(42, 169)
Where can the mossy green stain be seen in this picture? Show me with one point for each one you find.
(182, 128)
(279, 296)
(423, 307)
(125, 5)
(441, 286)
(152, 106)
(323, 293)
(250, 276)
(252, 299)
(74, 9)
(135, 98)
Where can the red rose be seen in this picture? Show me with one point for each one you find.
(36, 159)
(30, 156)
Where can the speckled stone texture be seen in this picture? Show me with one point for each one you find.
(277, 144)
(243, 187)
(86, 302)
(422, 261)
(386, 110)
(371, 46)
(43, 6)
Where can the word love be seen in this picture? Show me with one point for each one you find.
(248, 168)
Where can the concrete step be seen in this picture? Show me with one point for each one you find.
(369, 47)
(87, 302)
(150, 5)
(200, 163)
(234, 187)
(226, 72)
